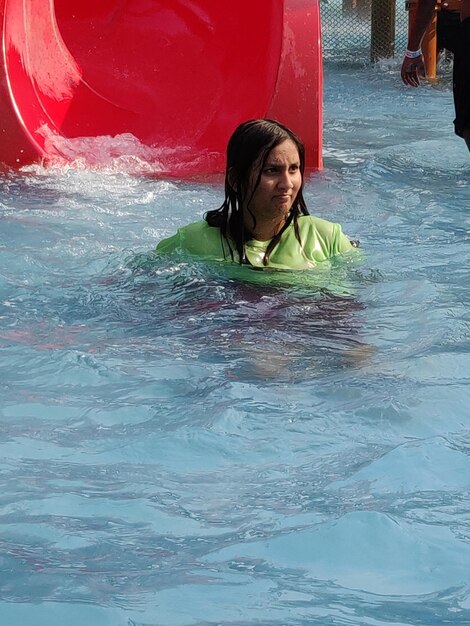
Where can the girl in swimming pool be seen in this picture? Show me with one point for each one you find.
(263, 220)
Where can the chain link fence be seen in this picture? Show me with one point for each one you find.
(349, 29)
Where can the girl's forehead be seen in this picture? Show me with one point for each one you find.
(286, 151)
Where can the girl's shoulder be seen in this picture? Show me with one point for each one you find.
(312, 222)
(197, 238)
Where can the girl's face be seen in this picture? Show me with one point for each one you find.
(278, 187)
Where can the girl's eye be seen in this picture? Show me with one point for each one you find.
(270, 171)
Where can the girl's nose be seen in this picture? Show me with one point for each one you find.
(285, 181)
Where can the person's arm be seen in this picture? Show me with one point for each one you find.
(413, 63)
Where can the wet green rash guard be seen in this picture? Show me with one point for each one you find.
(320, 239)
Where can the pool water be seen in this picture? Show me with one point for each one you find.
(182, 445)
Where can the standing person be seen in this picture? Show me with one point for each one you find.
(454, 37)
(263, 220)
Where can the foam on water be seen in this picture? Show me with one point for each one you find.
(187, 444)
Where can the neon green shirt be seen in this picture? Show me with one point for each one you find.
(320, 239)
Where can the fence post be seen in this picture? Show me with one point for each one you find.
(429, 46)
(382, 44)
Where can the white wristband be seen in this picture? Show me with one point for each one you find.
(413, 54)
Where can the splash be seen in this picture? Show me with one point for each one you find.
(125, 153)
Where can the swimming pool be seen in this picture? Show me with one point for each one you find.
(185, 447)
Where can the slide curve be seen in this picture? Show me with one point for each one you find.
(167, 82)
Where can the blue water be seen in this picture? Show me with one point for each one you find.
(181, 446)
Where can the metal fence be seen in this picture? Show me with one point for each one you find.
(349, 29)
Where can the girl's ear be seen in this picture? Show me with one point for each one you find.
(232, 179)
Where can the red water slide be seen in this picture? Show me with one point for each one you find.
(164, 81)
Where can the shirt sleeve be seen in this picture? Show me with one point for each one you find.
(197, 239)
(327, 238)
(340, 243)
(168, 245)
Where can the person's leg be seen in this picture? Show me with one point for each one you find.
(447, 29)
(461, 83)
(466, 136)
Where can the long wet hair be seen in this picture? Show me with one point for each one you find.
(247, 152)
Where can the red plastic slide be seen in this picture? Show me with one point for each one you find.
(163, 81)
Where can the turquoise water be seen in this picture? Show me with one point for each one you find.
(180, 446)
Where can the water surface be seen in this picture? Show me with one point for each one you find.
(182, 446)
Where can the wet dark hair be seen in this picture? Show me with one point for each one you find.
(247, 151)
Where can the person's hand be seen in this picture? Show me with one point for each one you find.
(412, 70)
